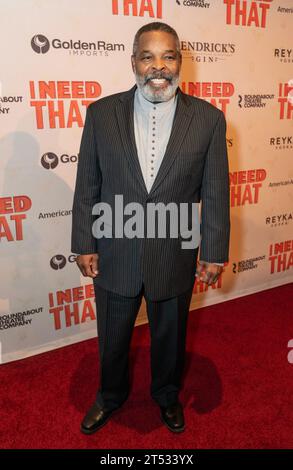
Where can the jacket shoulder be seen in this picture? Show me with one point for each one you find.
(106, 102)
(203, 106)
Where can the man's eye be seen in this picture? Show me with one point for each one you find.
(147, 57)
(170, 57)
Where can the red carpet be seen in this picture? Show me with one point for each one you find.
(238, 387)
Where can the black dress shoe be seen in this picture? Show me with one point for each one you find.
(173, 417)
(95, 418)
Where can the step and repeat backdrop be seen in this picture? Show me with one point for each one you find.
(59, 56)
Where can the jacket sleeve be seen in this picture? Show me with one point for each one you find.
(87, 191)
(215, 198)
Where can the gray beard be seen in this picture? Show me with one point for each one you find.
(157, 95)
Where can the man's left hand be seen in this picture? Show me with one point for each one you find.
(208, 272)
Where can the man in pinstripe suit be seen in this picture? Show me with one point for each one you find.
(152, 145)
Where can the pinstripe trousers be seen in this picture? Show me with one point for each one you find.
(116, 317)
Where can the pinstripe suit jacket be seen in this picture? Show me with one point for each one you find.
(194, 168)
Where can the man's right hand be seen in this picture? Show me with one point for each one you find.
(88, 264)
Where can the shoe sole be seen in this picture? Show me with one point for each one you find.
(177, 430)
(92, 431)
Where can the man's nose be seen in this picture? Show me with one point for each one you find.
(158, 64)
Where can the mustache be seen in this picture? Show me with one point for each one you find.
(158, 75)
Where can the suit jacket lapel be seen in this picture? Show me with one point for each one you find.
(124, 111)
(182, 119)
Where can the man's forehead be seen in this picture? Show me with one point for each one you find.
(144, 51)
(157, 36)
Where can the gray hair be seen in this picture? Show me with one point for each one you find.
(156, 26)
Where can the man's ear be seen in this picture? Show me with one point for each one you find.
(133, 63)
